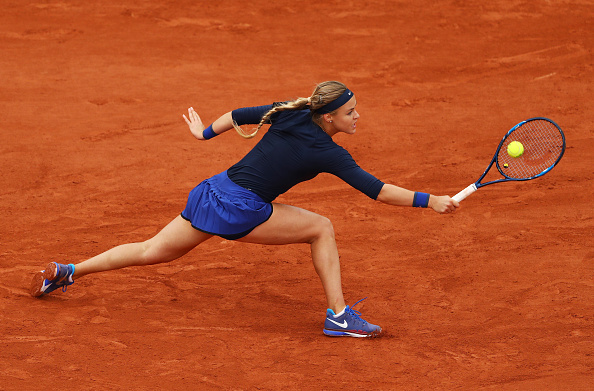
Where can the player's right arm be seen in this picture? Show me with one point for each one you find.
(394, 195)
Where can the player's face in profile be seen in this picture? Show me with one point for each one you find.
(345, 118)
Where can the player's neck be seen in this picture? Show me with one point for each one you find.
(328, 129)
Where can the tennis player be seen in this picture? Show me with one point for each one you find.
(237, 204)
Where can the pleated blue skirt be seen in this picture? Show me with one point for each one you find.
(220, 207)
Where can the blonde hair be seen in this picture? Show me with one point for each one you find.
(323, 94)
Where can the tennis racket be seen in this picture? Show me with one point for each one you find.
(544, 145)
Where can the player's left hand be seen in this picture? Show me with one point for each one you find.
(195, 123)
(443, 204)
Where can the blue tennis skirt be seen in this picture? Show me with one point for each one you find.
(220, 207)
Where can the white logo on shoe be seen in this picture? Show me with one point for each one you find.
(343, 324)
(45, 285)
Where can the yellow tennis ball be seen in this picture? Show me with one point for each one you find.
(515, 149)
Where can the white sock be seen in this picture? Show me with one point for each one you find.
(340, 313)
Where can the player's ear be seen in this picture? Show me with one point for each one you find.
(327, 117)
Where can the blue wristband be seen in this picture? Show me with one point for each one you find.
(420, 200)
(208, 133)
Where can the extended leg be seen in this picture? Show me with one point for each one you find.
(175, 240)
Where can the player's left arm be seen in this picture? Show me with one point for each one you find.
(394, 195)
(242, 116)
(197, 128)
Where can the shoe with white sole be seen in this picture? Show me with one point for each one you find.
(349, 324)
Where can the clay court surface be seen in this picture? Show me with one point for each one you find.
(95, 153)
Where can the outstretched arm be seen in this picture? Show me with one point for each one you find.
(221, 125)
(394, 195)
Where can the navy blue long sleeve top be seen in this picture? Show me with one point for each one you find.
(295, 149)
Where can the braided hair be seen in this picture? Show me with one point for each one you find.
(323, 94)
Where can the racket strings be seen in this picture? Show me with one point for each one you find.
(543, 145)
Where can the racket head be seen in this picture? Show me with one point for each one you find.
(544, 145)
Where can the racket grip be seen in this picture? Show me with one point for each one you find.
(465, 193)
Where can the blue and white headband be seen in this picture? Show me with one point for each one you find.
(336, 103)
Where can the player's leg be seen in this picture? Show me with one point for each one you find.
(173, 241)
(289, 224)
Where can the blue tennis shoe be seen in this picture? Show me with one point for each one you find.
(349, 324)
(55, 275)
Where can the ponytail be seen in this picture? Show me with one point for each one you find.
(323, 94)
(298, 104)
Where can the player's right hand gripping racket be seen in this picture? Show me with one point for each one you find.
(544, 145)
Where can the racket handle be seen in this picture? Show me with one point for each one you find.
(465, 193)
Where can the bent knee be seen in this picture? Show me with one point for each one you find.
(324, 227)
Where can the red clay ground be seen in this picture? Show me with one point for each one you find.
(95, 153)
